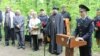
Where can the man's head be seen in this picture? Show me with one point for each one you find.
(55, 9)
(8, 9)
(18, 12)
(98, 12)
(63, 8)
(83, 10)
(42, 12)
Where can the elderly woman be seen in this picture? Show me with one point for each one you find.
(30, 14)
(19, 29)
(34, 28)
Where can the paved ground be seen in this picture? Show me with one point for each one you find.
(13, 51)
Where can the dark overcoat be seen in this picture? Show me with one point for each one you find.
(84, 29)
(54, 27)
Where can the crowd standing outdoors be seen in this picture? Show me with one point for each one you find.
(49, 26)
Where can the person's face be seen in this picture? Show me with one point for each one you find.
(98, 13)
(82, 12)
(18, 13)
(63, 9)
(42, 12)
(55, 11)
(31, 13)
(8, 9)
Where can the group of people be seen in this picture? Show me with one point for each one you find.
(14, 27)
(56, 23)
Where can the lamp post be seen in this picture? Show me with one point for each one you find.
(47, 3)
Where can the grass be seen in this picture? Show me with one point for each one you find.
(95, 47)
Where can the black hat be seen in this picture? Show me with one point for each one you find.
(41, 9)
(55, 7)
(84, 7)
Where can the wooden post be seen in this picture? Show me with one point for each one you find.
(67, 25)
(69, 51)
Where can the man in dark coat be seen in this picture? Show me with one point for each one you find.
(0, 25)
(19, 29)
(55, 26)
(9, 27)
(84, 30)
(67, 19)
(44, 19)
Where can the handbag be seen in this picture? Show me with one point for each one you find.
(40, 36)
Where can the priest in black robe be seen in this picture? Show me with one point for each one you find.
(54, 27)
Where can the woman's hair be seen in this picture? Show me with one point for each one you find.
(30, 12)
(34, 15)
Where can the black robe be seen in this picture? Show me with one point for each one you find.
(54, 26)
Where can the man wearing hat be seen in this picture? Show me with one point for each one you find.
(66, 19)
(54, 26)
(84, 30)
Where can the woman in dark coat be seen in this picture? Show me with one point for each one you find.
(97, 27)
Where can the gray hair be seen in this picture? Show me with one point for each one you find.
(34, 15)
